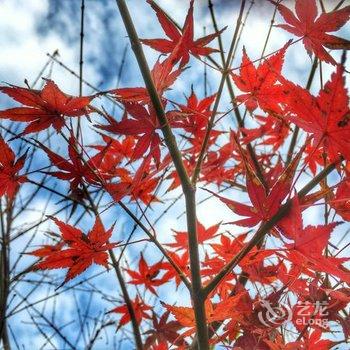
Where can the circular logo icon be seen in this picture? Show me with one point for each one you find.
(274, 316)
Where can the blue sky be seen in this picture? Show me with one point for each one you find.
(31, 29)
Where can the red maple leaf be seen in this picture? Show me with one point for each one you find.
(203, 234)
(225, 309)
(143, 124)
(314, 341)
(147, 275)
(309, 244)
(182, 261)
(140, 310)
(185, 315)
(258, 272)
(192, 117)
(83, 250)
(228, 247)
(181, 41)
(313, 157)
(275, 130)
(163, 331)
(140, 186)
(326, 116)
(75, 169)
(260, 84)
(265, 203)
(163, 76)
(9, 168)
(44, 108)
(314, 30)
(115, 151)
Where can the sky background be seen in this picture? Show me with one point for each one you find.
(32, 28)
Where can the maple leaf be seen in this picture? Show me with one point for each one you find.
(76, 170)
(140, 310)
(182, 261)
(313, 30)
(163, 331)
(258, 272)
(185, 315)
(163, 76)
(203, 234)
(192, 117)
(146, 275)
(115, 151)
(140, 186)
(225, 309)
(9, 168)
(255, 341)
(309, 244)
(314, 157)
(260, 84)
(228, 247)
(264, 204)
(143, 124)
(44, 108)
(83, 250)
(326, 116)
(182, 40)
(314, 341)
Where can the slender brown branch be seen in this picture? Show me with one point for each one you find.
(218, 97)
(188, 189)
(157, 104)
(128, 303)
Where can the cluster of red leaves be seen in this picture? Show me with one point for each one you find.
(325, 117)
(140, 310)
(81, 252)
(136, 139)
(265, 203)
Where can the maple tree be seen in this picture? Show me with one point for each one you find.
(227, 202)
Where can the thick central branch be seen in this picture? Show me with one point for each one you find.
(187, 187)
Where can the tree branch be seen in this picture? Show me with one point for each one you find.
(188, 189)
